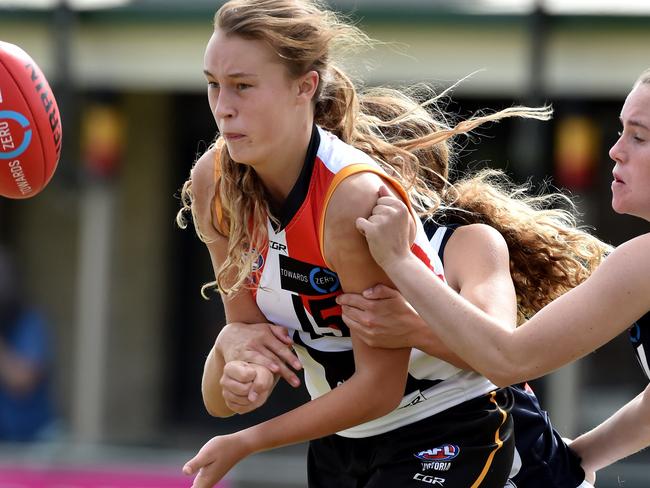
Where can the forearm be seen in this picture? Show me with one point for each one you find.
(434, 347)
(352, 403)
(211, 388)
(426, 341)
(482, 347)
(624, 433)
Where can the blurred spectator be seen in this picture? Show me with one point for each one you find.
(26, 412)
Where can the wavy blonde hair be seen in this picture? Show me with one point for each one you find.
(398, 129)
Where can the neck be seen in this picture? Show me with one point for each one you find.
(280, 175)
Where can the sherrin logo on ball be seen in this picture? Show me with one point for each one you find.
(30, 125)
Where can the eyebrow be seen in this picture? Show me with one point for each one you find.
(637, 123)
(232, 75)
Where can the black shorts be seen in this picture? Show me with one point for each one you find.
(543, 459)
(469, 445)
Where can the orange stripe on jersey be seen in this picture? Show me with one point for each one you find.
(343, 174)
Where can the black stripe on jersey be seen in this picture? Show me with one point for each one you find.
(339, 367)
(430, 228)
(413, 384)
(300, 188)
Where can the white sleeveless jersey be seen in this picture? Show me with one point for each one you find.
(295, 288)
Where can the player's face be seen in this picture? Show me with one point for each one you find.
(251, 96)
(631, 185)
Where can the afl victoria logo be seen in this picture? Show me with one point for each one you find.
(442, 453)
(15, 134)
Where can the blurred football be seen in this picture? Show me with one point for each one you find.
(30, 125)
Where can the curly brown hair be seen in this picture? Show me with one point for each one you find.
(549, 252)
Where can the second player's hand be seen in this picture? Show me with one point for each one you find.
(388, 230)
(245, 386)
(263, 344)
(381, 317)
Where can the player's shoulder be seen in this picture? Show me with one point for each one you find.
(203, 174)
(476, 246)
(359, 190)
(632, 260)
(480, 238)
(354, 197)
(639, 246)
(633, 254)
(204, 178)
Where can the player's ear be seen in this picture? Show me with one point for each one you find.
(307, 85)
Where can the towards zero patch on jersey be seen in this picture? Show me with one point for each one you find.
(306, 279)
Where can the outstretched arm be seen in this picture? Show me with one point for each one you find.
(624, 433)
(355, 401)
(476, 267)
(572, 326)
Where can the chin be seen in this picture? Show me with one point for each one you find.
(239, 157)
(616, 207)
(632, 210)
(619, 204)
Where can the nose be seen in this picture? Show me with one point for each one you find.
(616, 151)
(224, 108)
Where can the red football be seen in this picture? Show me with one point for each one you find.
(30, 125)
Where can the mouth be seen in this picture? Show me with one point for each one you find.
(232, 136)
(617, 179)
